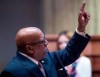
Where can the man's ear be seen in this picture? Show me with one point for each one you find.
(29, 49)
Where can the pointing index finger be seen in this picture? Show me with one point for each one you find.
(83, 6)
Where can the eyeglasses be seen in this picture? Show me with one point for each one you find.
(39, 42)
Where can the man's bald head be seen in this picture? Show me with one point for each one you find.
(28, 35)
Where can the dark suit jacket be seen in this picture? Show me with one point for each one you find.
(21, 66)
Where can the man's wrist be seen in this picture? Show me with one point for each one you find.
(83, 33)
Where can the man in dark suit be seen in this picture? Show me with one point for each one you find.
(33, 59)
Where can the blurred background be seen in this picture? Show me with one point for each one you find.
(52, 16)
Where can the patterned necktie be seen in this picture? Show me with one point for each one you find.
(42, 69)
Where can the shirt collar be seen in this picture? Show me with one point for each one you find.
(33, 60)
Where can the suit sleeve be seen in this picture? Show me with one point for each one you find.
(6, 74)
(72, 51)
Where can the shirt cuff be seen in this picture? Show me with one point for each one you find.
(81, 33)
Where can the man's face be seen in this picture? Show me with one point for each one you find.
(41, 47)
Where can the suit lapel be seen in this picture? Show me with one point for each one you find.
(34, 69)
(48, 66)
(29, 65)
(45, 65)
